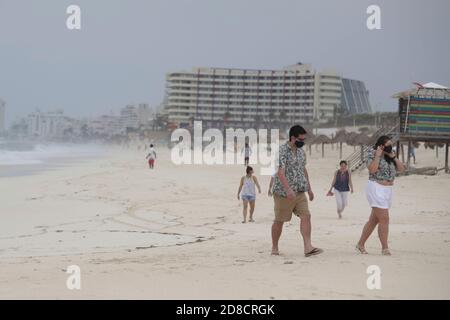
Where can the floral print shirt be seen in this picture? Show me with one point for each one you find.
(386, 170)
(294, 170)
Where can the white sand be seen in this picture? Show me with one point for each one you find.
(176, 233)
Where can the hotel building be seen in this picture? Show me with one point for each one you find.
(241, 97)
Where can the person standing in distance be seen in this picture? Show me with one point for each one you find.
(151, 156)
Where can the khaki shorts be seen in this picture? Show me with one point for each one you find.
(284, 207)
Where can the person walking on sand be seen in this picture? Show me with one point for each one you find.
(247, 151)
(341, 185)
(151, 156)
(248, 194)
(289, 191)
(412, 153)
(383, 166)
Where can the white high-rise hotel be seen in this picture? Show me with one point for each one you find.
(239, 97)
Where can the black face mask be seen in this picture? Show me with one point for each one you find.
(299, 144)
(388, 149)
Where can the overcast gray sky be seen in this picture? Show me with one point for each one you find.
(125, 48)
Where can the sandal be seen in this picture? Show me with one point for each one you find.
(385, 252)
(314, 252)
(361, 250)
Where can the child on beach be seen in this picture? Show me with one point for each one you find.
(342, 184)
(151, 156)
(247, 193)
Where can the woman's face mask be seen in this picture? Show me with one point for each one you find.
(388, 149)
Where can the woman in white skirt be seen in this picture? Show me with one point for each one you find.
(341, 185)
(383, 167)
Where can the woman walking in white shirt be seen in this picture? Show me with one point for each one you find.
(248, 194)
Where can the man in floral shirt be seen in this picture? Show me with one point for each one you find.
(289, 191)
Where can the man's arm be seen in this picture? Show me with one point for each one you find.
(307, 180)
(310, 192)
(281, 175)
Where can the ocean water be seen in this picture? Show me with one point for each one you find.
(22, 158)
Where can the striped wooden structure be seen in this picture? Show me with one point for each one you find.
(424, 115)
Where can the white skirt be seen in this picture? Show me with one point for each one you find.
(379, 196)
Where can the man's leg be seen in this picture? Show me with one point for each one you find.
(305, 230)
(277, 228)
(302, 211)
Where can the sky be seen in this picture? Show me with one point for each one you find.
(124, 49)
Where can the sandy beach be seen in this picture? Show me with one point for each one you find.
(176, 233)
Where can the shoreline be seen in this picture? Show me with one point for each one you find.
(23, 162)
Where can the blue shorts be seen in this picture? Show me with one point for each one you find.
(248, 198)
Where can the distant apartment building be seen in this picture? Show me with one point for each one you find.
(130, 117)
(2, 116)
(47, 124)
(239, 97)
(105, 125)
(145, 114)
(133, 116)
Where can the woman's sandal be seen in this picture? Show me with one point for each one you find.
(361, 250)
(385, 252)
